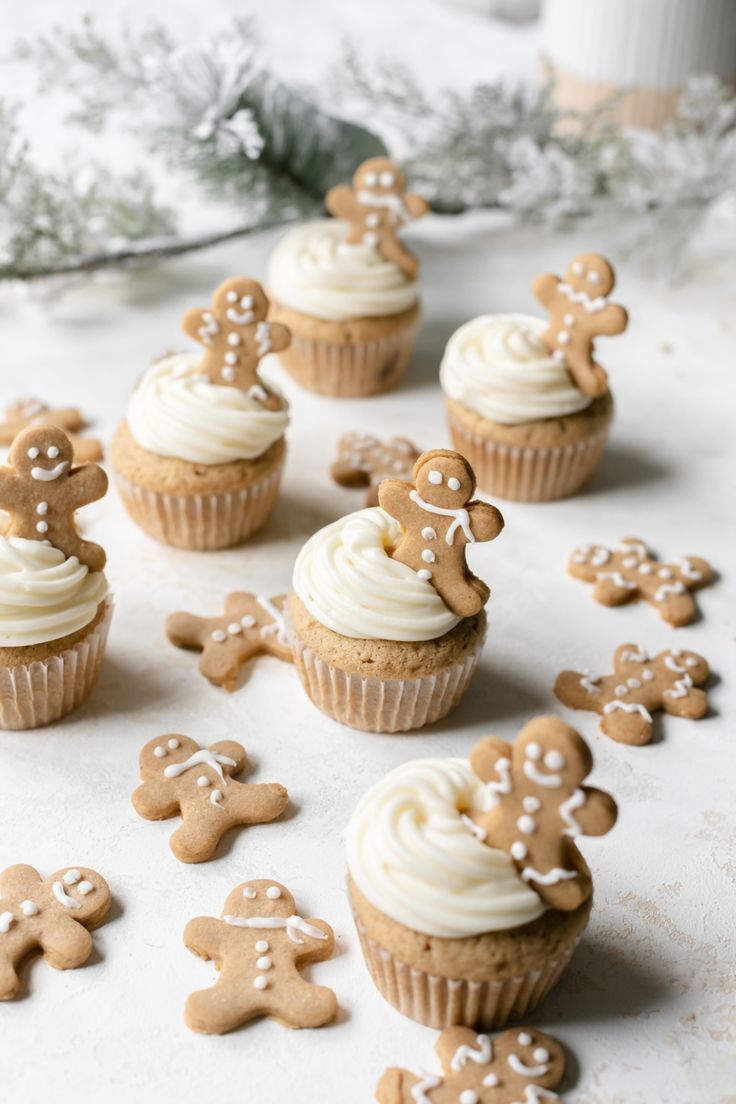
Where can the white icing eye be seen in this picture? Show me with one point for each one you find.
(159, 751)
(173, 744)
(273, 892)
(72, 877)
(540, 1055)
(524, 1038)
(232, 297)
(577, 268)
(621, 691)
(533, 751)
(84, 888)
(435, 477)
(32, 453)
(453, 483)
(370, 179)
(249, 892)
(554, 760)
(594, 277)
(203, 780)
(246, 302)
(387, 179)
(53, 452)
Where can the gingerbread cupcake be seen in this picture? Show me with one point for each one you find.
(387, 621)
(468, 890)
(199, 457)
(347, 287)
(526, 401)
(54, 605)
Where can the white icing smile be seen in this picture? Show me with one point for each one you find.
(47, 475)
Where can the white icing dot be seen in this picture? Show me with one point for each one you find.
(234, 628)
(260, 982)
(32, 453)
(231, 358)
(370, 179)
(645, 569)
(218, 636)
(554, 759)
(42, 526)
(249, 892)
(428, 533)
(159, 751)
(173, 744)
(435, 477)
(273, 892)
(203, 780)
(533, 751)
(53, 452)
(518, 850)
(558, 355)
(29, 908)
(428, 555)
(264, 963)
(577, 268)
(228, 374)
(72, 877)
(594, 277)
(84, 888)
(261, 946)
(563, 337)
(373, 219)
(42, 508)
(569, 319)
(453, 483)
(232, 297)
(621, 691)
(633, 683)
(233, 339)
(491, 1080)
(526, 824)
(524, 1038)
(469, 1096)
(531, 804)
(647, 675)
(370, 238)
(386, 179)
(247, 302)
(540, 1054)
(664, 573)
(247, 622)
(424, 574)
(630, 561)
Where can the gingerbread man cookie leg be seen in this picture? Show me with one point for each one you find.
(257, 946)
(439, 520)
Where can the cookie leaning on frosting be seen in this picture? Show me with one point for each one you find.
(387, 621)
(199, 457)
(526, 401)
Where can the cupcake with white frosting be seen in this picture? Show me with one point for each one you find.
(450, 931)
(198, 460)
(347, 288)
(516, 412)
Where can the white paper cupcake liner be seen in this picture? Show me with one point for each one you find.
(528, 474)
(202, 522)
(383, 705)
(350, 370)
(38, 693)
(441, 1002)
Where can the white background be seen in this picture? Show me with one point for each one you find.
(646, 1008)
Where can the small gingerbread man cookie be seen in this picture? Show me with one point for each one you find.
(519, 1065)
(257, 947)
(54, 916)
(26, 412)
(236, 335)
(639, 686)
(376, 207)
(439, 521)
(579, 312)
(41, 492)
(629, 571)
(542, 807)
(251, 625)
(180, 776)
(365, 461)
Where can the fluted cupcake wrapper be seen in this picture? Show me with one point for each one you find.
(383, 705)
(529, 474)
(38, 693)
(442, 1002)
(350, 370)
(203, 521)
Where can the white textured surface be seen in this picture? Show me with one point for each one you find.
(646, 1007)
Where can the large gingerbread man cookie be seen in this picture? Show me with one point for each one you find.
(439, 521)
(376, 207)
(54, 916)
(541, 807)
(42, 491)
(257, 947)
(579, 312)
(639, 685)
(236, 335)
(629, 571)
(180, 776)
(517, 1066)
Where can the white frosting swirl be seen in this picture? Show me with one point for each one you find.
(176, 413)
(313, 270)
(499, 367)
(411, 853)
(346, 578)
(43, 594)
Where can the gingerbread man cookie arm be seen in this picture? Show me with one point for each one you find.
(342, 202)
(198, 323)
(613, 319)
(486, 521)
(153, 800)
(279, 336)
(88, 482)
(232, 750)
(392, 496)
(545, 288)
(490, 760)
(207, 938)
(416, 205)
(396, 1087)
(597, 814)
(314, 948)
(7, 488)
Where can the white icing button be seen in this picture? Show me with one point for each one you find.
(633, 683)
(159, 751)
(526, 824)
(645, 569)
(428, 555)
(373, 219)
(42, 526)
(264, 963)
(428, 533)
(228, 374)
(558, 355)
(531, 804)
(247, 622)
(563, 337)
(234, 628)
(491, 1080)
(29, 908)
(469, 1096)
(249, 892)
(260, 982)
(173, 744)
(218, 636)
(453, 483)
(203, 780)
(435, 477)
(233, 339)
(524, 1038)
(72, 877)
(424, 574)
(518, 850)
(261, 946)
(569, 319)
(621, 691)
(664, 573)
(231, 358)
(84, 888)
(647, 675)
(42, 508)
(273, 892)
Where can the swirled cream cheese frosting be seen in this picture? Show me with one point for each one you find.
(412, 852)
(43, 594)
(177, 413)
(499, 367)
(315, 271)
(346, 578)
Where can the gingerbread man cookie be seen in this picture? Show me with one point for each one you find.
(376, 207)
(630, 571)
(516, 1066)
(236, 335)
(26, 412)
(55, 916)
(257, 947)
(579, 312)
(41, 492)
(251, 625)
(439, 521)
(541, 807)
(365, 461)
(639, 686)
(180, 776)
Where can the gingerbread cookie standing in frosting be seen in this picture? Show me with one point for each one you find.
(41, 492)
(541, 807)
(54, 916)
(376, 207)
(236, 335)
(439, 521)
(27, 412)
(258, 947)
(519, 1065)
(579, 312)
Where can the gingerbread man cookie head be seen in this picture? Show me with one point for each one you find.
(261, 898)
(42, 453)
(379, 176)
(591, 275)
(444, 478)
(82, 892)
